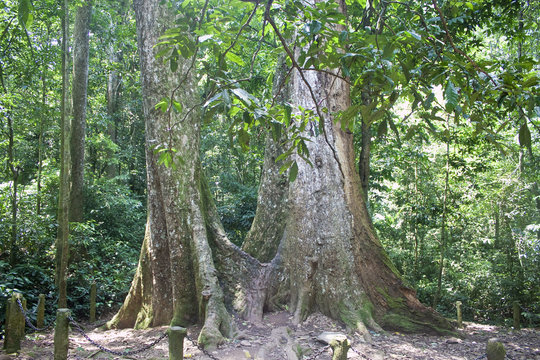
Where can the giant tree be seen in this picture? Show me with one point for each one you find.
(329, 258)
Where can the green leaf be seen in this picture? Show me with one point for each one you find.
(413, 34)
(203, 38)
(162, 105)
(177, 106)
(313, 27)
(243, 95)
(287, 115)
(276, 130)
(451, 96)
(247, 118)
(293, 173)
(174, 60)
(347, 117)
(235, 58)
(243, 139)
(383, 129)
(525, 136)
(531, 81)
(285, 166)
(24, 13)
(343, 37)
(429, 100)
(162, 52)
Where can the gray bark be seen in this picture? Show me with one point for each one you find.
(79, 93)
(268, 226)
(62, 250)
(176, 279)
(331, 258)
(325, 255)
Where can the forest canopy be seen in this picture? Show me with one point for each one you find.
(443, 117)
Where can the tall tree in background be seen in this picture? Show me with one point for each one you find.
(78, 123)
(62, 239)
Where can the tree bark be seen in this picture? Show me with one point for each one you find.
(176, 278)
(264, 237)
(444, 232)
(364, 160)
(79, 93)
(40, 139)
(62, 249)
(15, 170)
(331, 256)
(325, 255)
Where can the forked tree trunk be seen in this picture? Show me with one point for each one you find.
(325, 255)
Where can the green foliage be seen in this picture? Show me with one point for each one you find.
(109, 261)
(233, 177)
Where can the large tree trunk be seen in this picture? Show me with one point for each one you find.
(79, 93)
(331, 255)
(176, 278)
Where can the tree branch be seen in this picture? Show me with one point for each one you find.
(456, 49)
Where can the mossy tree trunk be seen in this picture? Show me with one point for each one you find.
(330, 253)
(176, 279)
(323, 256)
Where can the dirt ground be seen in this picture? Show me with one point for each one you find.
(277, 339)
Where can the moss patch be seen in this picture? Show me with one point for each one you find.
(144, 318)
(394, 303)
(361, 311)
(398, 322)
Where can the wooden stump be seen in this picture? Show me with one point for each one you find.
(176, 342)
(338, 342)
(495, 350)
(61, 332)
(40, 318)
(93, 302)
(517, 314)
(14, 325)
(459, 315)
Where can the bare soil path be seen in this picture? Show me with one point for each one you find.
(277, 339)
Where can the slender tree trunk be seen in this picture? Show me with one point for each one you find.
(62, 244)
(79, 93)
(113, 84)
(443, 240)
(40, 139)
(415, 222)
(536, 194)
(15, 170)
(113, 91)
